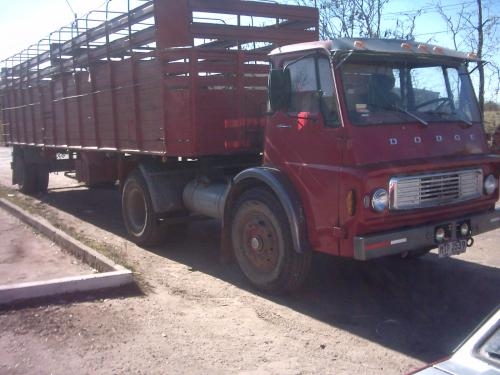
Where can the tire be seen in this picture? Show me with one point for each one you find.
(262, 244)
(141, 222)
(27, 176)
(42, 176)
(30, 177)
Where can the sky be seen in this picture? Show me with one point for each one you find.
(24, 22)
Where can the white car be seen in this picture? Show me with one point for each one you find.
(479, 354)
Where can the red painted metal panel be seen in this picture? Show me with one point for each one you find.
(103, 105)
(18, 103)
(36, 99)
(172, 20)
(31, 114)
(78, 113)
(47, 114)
(71, 111)
(85, 102)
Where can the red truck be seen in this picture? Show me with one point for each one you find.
(358, 148)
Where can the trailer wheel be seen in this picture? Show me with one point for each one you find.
(27, 176)
(42, 178)
(139, 217)
(262, 243)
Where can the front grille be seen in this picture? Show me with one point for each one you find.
(436, 189)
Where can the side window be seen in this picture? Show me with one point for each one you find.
(328, 94)
(313, 88)
(304, 86)
(464, 102)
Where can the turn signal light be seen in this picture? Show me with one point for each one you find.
(350, 202)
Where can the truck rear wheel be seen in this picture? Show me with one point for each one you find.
(262, 243)
(141, 222)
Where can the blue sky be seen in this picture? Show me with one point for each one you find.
(24, 22)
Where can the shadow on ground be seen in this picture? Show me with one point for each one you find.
(423, 308)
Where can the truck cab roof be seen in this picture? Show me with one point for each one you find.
(377, 46)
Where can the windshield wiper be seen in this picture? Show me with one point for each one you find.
(412, 115)
(455, 115)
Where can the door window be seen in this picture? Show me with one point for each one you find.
(313, 88)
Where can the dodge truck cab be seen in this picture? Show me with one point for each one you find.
(384, 142)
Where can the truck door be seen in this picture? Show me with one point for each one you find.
(305, 143)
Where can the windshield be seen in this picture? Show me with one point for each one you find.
(377, 93)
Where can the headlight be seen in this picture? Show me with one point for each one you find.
(490, 184)
(380, 200)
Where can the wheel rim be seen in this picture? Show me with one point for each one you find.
(260, 242)
(136, 210)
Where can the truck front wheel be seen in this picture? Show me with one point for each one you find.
(140, 220)
(262, 243)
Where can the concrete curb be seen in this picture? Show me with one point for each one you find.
(111, 275)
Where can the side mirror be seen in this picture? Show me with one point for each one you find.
(279, 89)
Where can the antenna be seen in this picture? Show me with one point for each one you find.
(71, 8)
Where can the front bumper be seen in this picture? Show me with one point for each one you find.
(420, 237)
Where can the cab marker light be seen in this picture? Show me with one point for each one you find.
(359, 44)
(405, 45)
(438, 49)
(423, 48)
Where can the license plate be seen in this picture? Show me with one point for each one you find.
(452, 248)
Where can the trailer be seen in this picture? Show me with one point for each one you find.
(233, 110)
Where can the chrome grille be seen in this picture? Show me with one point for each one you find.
(435, 189)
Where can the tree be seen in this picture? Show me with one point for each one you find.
(473, 27)
(405, 26)
(348, 18)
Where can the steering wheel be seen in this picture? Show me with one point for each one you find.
(441, 101)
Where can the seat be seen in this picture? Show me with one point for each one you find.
(380, 92)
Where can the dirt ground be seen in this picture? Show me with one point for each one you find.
(198, 316)
(27, 256)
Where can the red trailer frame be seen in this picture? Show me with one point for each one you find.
(158, 79)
